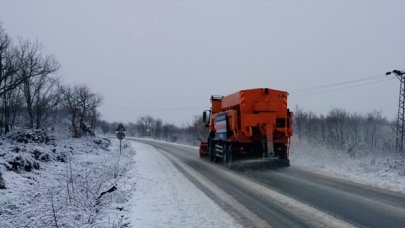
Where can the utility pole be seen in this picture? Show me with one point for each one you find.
(399, 144)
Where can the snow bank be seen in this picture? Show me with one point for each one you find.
(384, 170)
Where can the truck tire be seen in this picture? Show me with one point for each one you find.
(283, 162)
(215, 159)
(225, 154)
(211, 150)
(229, 156)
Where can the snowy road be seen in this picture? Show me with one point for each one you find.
(262, 196)
(164, 197)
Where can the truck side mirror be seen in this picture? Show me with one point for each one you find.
(206, 116)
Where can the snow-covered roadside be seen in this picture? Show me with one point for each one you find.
(376, 170)
(66, 192)
(164, 197)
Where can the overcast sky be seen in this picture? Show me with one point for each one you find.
(165, 58)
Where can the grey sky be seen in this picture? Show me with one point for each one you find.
(166, 58)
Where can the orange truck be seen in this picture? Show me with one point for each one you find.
(253, 123)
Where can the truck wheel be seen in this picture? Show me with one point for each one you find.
(229, 152)
(215, 159)
(225, 154)
(211, 148)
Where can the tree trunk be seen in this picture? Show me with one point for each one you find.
(38, 115)
(28, 100)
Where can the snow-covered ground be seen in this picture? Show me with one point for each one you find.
(164, 197)
(65, 186)
(59, 181)
(64, 182)
(383, 170)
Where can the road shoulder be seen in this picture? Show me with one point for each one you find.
(165, 197)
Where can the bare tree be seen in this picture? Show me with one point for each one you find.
(12, 105)
(299, 118)
(46, 99)
(7, 71)
(70, 106)
(374, 122)
(145, 124)
(88, 104)
(81, 104)
(30, 91)
(168, 131)
(35, 69)
(198, 129)
(157, 128)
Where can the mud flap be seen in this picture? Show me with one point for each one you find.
(269, 152)
(270, 148)
(203, 149)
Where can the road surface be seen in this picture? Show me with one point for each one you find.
(260, 194)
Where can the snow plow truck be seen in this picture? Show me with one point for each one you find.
(253, 123)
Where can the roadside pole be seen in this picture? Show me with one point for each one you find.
(119, 132)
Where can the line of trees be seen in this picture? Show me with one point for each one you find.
(31, 94)
(339, 129)
(147, 126)
(345, 131)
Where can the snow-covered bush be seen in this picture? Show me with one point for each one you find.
(345, 132)
(30, 136)
(79, 195)
(60, 182)
(352, 146)
(378, 168)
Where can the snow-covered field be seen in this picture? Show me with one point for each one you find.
(384, 170)
(164, 197)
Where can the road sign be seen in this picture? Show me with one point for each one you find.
(120, 135)
(120, 127)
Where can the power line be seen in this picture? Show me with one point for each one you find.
(341, 88)
(163, 109)
(306, 91)
(293, 95)
(311, 88)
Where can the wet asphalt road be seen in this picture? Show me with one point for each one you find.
(356, 204)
